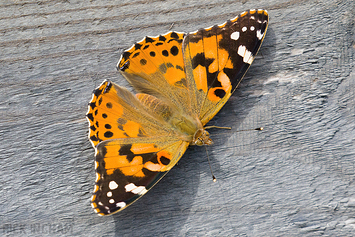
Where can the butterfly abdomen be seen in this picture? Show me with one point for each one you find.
(156, 105)
(184, 125)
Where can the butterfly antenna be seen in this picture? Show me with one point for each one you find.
(208, 127)
(208, 158)
(257, 129)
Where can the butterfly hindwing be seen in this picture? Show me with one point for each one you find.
(127, 168)
(216, 59)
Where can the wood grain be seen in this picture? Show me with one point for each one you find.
(294, 178)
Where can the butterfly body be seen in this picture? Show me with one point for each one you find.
(189, 129)
(182, 81)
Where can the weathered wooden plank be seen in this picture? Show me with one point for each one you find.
(294, 178)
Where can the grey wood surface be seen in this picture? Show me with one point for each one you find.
(295, 178)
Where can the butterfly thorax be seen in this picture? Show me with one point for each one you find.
(188, 128)
(192, 130)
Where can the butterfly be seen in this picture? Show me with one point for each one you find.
(182, 81)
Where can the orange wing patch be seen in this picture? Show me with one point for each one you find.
(156, 55)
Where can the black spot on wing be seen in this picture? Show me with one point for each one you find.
(94, 138)
(179, 68)
(126, 55)
(125, 150)
(220, 93)
(162, 38)
(137, 46)
(97, 92)
(92, 105)
(200, 59)
(135, 55)
(174, 50)
(109, 105)
(90, 116)
(164, 160)
(149, 40)
(174, 35)
(108, 134)
(165, 53)
(143, 61)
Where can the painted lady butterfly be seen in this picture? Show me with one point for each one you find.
(183, 80)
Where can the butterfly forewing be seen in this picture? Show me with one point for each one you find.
(216, 59)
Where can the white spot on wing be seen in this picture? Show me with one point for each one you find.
(130, 187)
(235, 35)
(244, 29)
(134, 189)
(112, 185)
(252, 28)
(140, 190)
(252, 17)
(121, 204)
(246, 54)
(259, 35)
(111, 201)
(109, 194)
